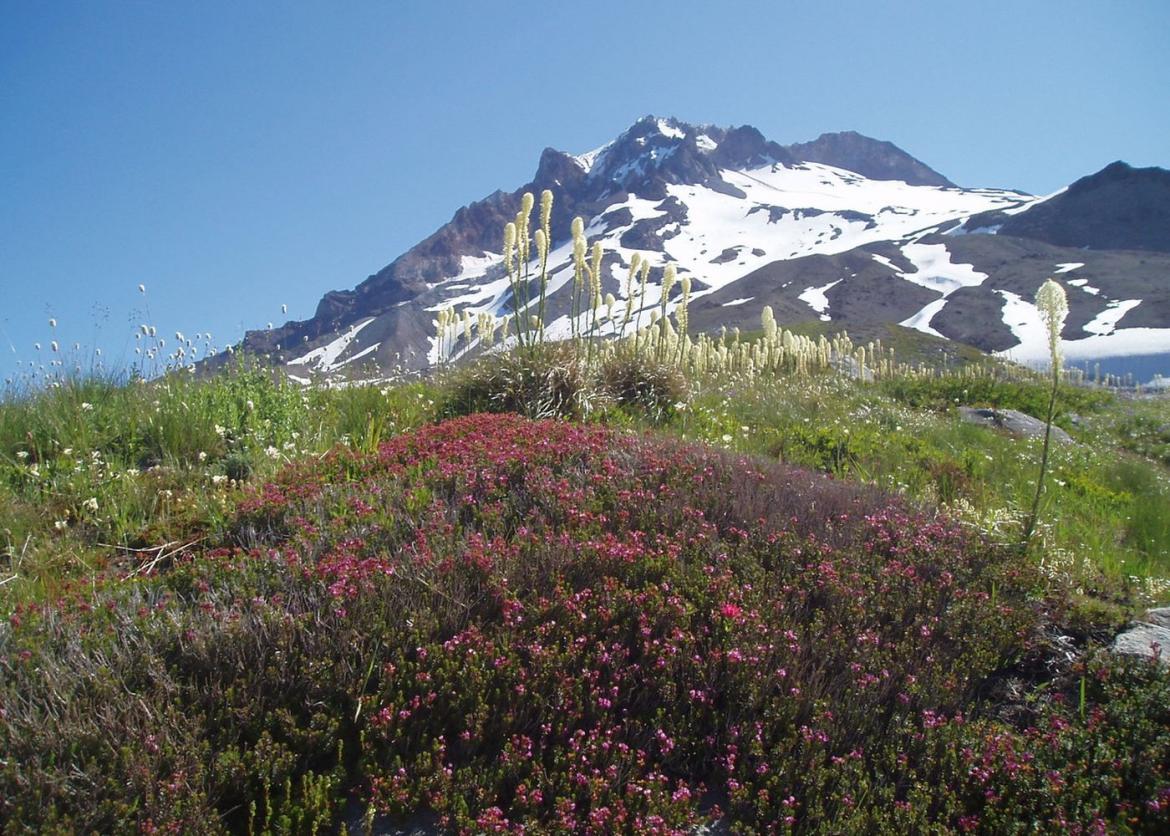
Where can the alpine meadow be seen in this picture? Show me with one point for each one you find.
(701, 484)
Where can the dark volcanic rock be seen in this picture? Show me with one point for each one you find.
(876, 159)
(1118, 208)
(746, 147)
(867, 293)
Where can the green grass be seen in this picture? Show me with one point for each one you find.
(92, 470)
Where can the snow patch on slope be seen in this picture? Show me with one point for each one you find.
(816, 299)
(325, 358)
(669, 131)
(1024, 320)
(1106, 321)
(934, 270)
(921, 320)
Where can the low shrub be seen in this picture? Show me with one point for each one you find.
(985, 390)
(560, 627)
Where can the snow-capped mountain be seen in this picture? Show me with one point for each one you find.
(845, 229)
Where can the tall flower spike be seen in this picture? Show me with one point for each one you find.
(546, 200)
(541, 245)
(1052, 302)
(509, 245)
(669, 276)
(595, 272)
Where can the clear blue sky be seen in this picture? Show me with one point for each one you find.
(237, 156)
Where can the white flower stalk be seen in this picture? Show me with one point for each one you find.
(579, 273)
(669, 277)
(1052, 302)
(509, 246)
(523, 224)
(645, 274)
(595, 272)
(443, 321)
(683, 317)
(768, 320)
(546, 202)
(630, 276)
(543, 245)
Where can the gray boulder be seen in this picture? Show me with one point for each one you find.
(1148, 636)
(1012, 421)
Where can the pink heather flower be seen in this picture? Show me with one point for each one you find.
(730, 610)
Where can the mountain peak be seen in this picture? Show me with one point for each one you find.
(753, 227)
(873, 158)
(1119, 207)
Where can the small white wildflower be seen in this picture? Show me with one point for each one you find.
(22, 454)
(251, 406)
(271, 452)
(218, 479)
(86, 406)
(90, 504)
(220, 431)
(68, 451)
(202, 456)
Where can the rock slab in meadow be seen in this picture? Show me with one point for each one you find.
(1148, 637)
(1012, 421)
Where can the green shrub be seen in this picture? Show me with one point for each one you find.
(548, 380)
(641, 383)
